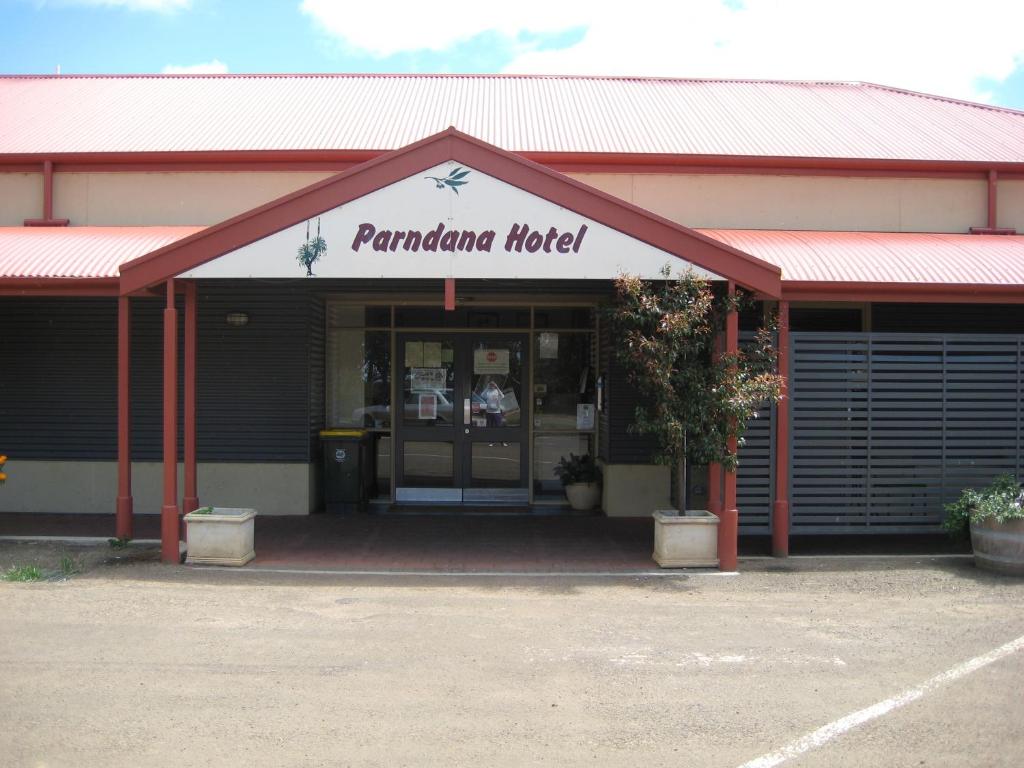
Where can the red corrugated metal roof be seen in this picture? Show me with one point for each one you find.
(78, 252)
(830, 257)
(884, 257)
(833, 120)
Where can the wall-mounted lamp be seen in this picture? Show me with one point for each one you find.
(236, 319)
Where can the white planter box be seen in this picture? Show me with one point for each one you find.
(222, 538)
(685, 541)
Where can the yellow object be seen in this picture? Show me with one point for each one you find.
(342, 432)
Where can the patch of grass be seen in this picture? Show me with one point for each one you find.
(119, 543)
(69, 567)
(23, 573)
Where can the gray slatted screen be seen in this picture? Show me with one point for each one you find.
(888, 427)
(755, 480)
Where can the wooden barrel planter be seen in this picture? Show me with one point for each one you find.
(999, 546)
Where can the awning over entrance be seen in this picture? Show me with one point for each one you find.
(448, 206)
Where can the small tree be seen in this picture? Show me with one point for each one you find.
(691, 402)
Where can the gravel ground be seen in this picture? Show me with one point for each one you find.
(128, 662)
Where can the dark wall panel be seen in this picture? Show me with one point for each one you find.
(58, 376)
(58, 380)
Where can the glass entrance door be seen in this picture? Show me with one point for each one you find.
(462, 428)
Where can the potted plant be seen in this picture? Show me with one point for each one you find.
(220, 536)
(581, 478)
(994, 515)
(695, 403)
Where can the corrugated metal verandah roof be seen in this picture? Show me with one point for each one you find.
(879, 258)
(78, 252)
(60, 115)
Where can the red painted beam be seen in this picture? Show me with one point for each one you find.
(169, 527)
(937, 293)
(123, 523)
(191, 500)
(780, 509)
(58, 286)
(449, 294)
(728, 526)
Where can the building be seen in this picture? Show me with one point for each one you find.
(155, 304)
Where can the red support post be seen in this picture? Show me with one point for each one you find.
(191, 500)
(449, 294)
(123, 515)
(728, 525)
(993, 182)
(48, 190)
(169, 524)
(780, 509)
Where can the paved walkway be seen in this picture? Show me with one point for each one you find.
(462, 542)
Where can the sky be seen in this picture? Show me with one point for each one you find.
(970, 50)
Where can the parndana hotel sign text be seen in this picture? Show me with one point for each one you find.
(520, 238)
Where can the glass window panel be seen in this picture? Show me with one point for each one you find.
(547, 450)
(497, 383)
(358, 316)
(428, 382)
(428, 464)
(358, 378)
(382, 473)
(563, 379)
(496, 465)
(564, 317)
(462, 317)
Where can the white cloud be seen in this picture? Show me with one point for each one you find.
(215, 67)
(384, 27)
(935, 46)
(163, 6)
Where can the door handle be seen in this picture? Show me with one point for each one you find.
(465, 412)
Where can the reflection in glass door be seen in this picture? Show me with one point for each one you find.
(495, 464)
(462, 430)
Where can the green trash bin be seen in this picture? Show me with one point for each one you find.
(348, 464)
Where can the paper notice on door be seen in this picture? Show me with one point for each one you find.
(432, 354)
(428, 406)
(490, 361)
(413, 354)
(427, 378)
(584, 416)
(548, 343)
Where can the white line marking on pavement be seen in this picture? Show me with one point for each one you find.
(475, 574)
(838, 727)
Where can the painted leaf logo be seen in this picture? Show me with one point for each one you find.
(453, 180)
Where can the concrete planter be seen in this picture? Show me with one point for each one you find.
(583, 496)
(999, 546)
(224, 537)
(685, 541)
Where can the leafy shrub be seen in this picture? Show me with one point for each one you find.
(578, 469)
(1002, 500)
